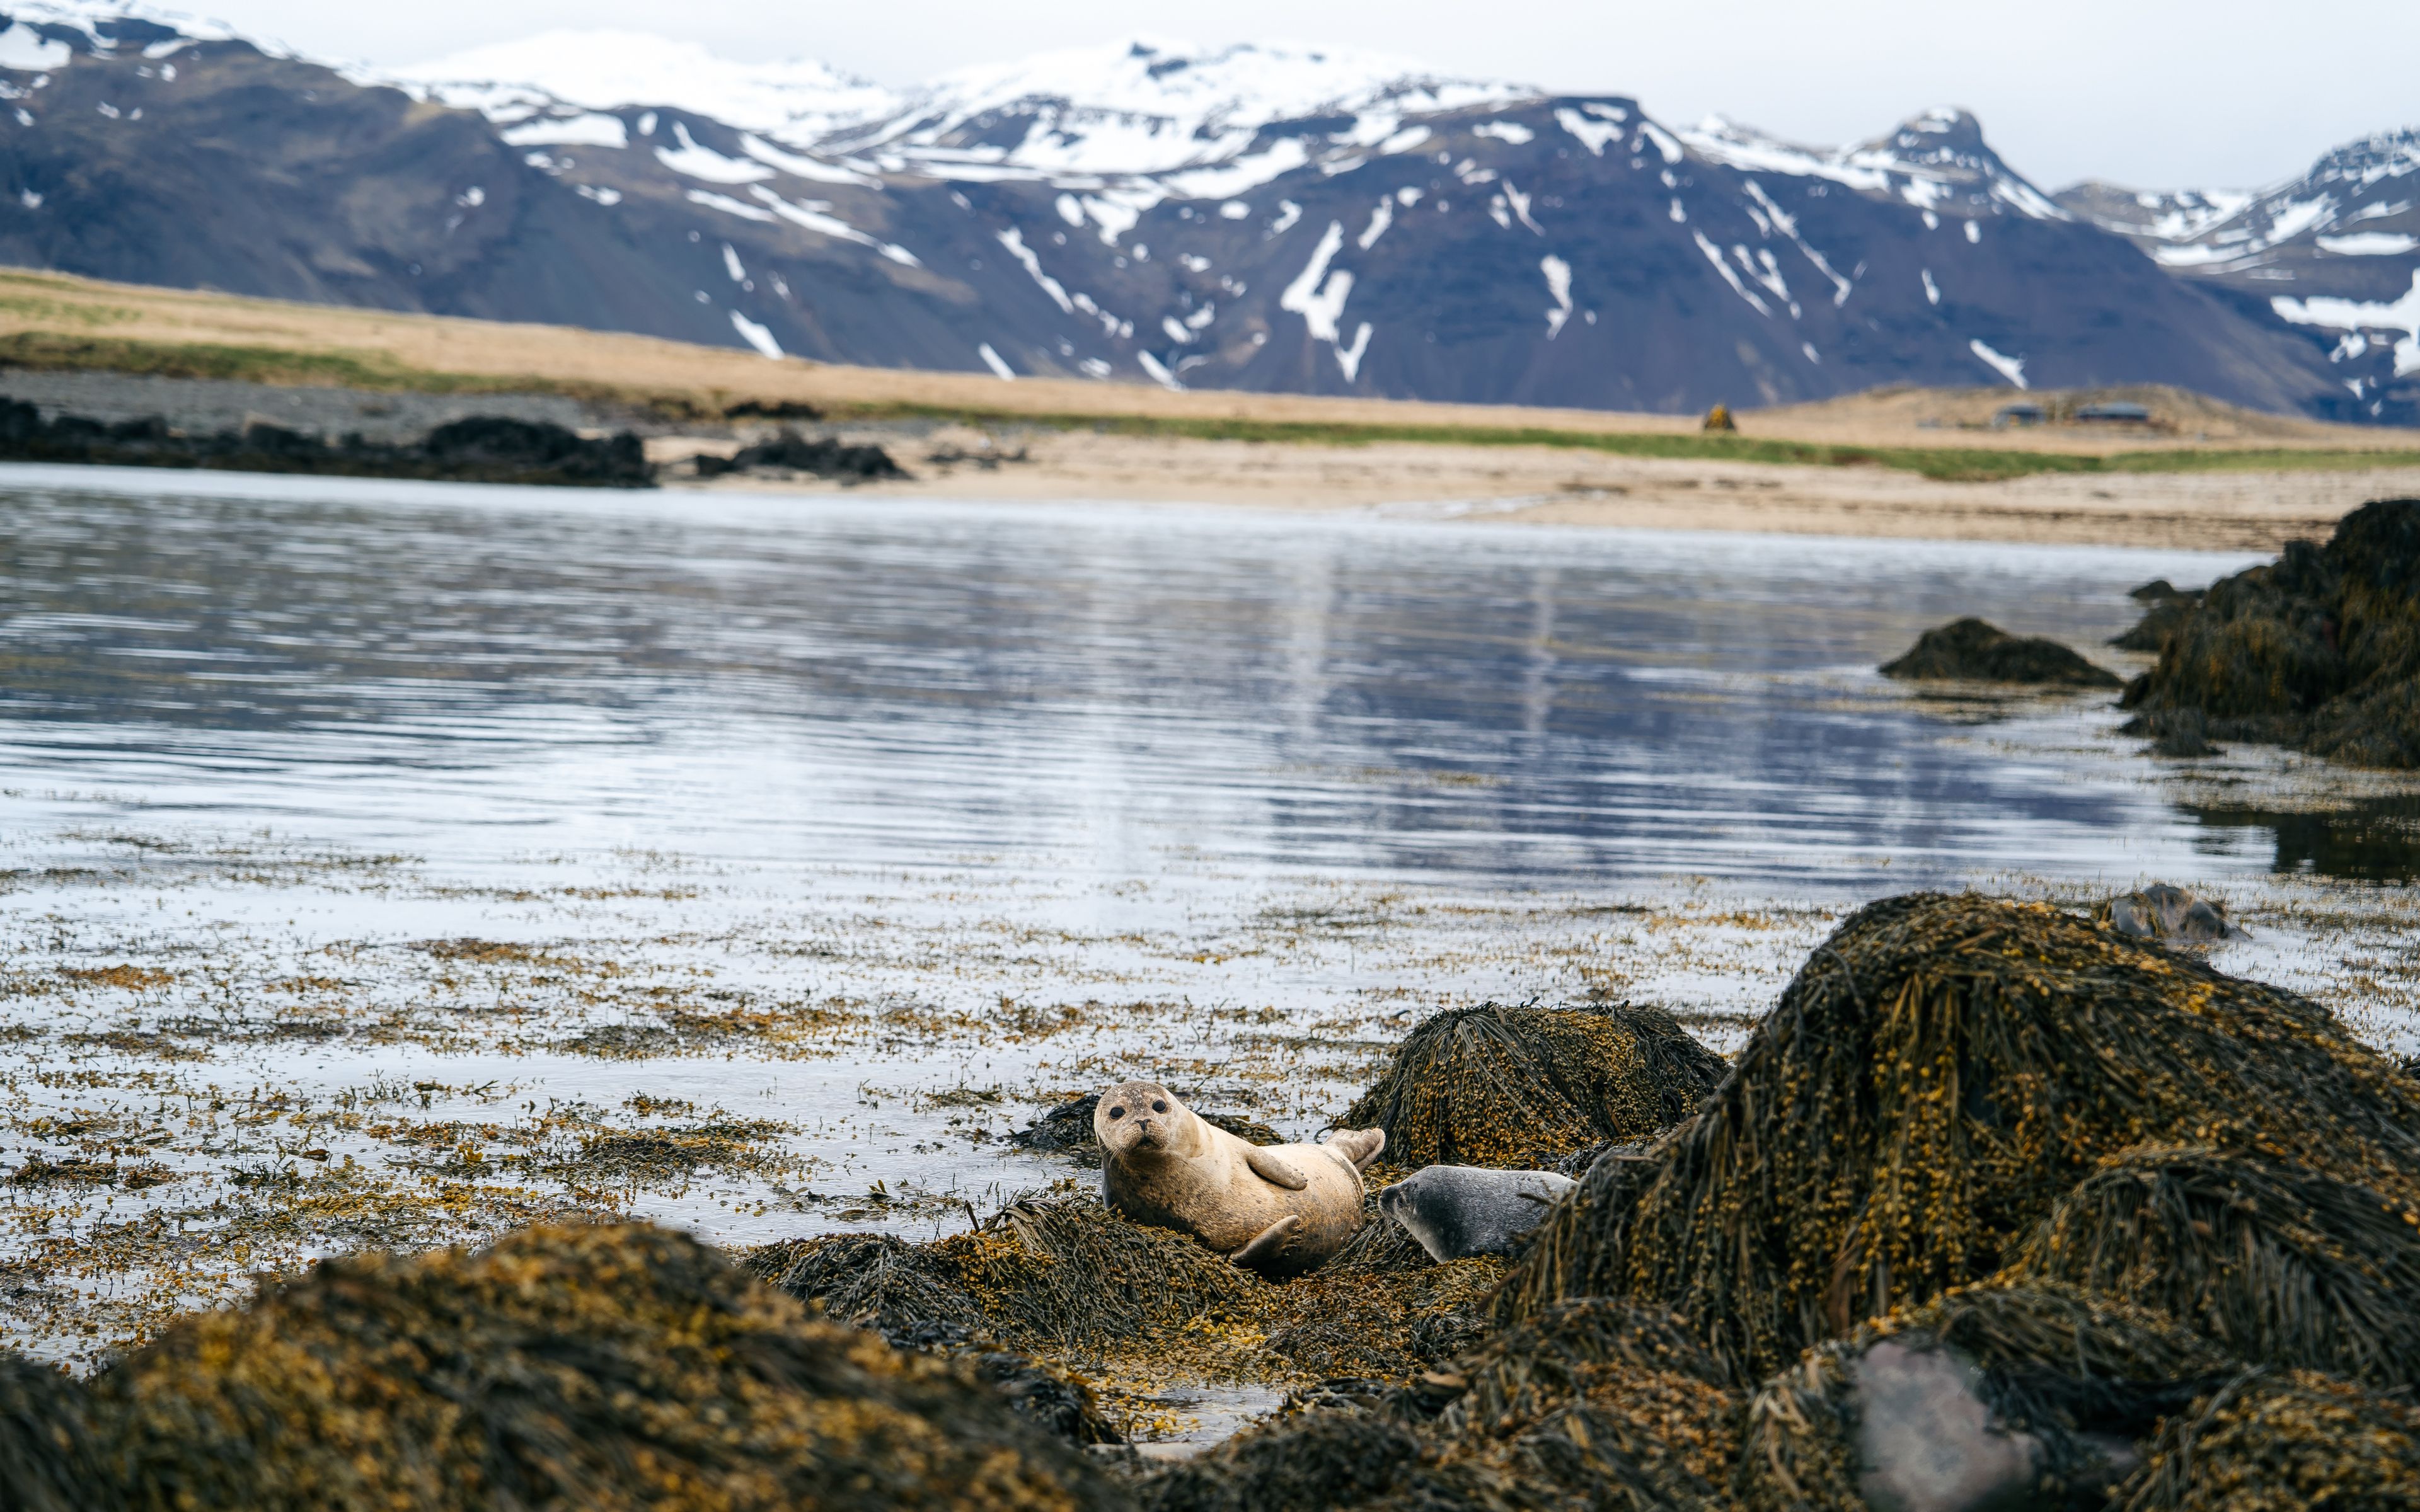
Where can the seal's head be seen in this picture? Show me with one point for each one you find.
(1141, 1117)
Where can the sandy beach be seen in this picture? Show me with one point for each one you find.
(1560, 486)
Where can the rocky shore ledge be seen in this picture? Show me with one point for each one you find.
(1999, 1206)
(105, 419)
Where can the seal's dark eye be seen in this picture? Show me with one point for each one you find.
(1159, 1106)
(1117, 1113)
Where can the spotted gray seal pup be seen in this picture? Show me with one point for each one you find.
(1456, 1212)
(1279, 1210)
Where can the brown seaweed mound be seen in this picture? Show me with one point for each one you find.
(2319, 650)
(1940, 1073)
(604, 1368)
(2282, 1443)
(1595, 1404)
(1042, 1272)
(2277, 1263)
(1973, 650)
(45, 1440)
(1067, 1279)
(1493, 1086)
(2064, 1377)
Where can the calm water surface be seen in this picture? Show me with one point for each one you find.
(883, 824)
(471, 676)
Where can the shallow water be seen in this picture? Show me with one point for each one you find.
(835, 837)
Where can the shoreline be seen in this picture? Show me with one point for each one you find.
(1542, 486)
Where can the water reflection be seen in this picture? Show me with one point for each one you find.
(2365, 840)
(1090, 692)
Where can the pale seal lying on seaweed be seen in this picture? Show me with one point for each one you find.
(1281, 1209)
(1456, 1212)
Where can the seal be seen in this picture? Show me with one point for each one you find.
(1456, 1212)
(1279, 1210)
(2161, 911)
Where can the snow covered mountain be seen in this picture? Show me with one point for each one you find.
(1260, 218)
(2334, 252)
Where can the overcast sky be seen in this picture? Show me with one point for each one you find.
(2149, 93)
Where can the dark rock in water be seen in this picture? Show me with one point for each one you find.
(775, 409)
(1067, 1129)
(2319, 650)
(2165, 609)
(482, 449)
(2161, 911)
(2182, 737)
(1972, 651)
(824, 458)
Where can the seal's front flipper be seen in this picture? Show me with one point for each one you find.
(1269, 1242)
(1360, 1145)
(1275, 1169)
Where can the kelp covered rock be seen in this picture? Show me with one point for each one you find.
(1062, 1272)
(1064, 1279)
(1493, 1086)
(2319, 650)
(912, 1297)
(604, 1368)
(2276, 1263)
(1989, 1395)
(2165, 606)
(1975, 651)
(45, 1440)
(1940, 1073)
(1593, 1405)
(2281, 1443)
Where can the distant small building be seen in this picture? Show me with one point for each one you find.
(2018, 414)
(2113, 414)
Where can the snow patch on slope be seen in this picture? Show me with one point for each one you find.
(798, 101)
(1558, 289)
(2401, 317)
(2012, 369)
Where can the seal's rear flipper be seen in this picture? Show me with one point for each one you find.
(1360, 1145)
(1275, 1169)
(1269, 1243)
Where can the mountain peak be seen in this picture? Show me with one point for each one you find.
(609, 70)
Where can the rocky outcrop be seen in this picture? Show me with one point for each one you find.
(482, 449)
(1973, 651)
(2317, 649)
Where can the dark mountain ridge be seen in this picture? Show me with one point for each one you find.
(1394, 235)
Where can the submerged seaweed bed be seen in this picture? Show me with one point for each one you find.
(195, 1097)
